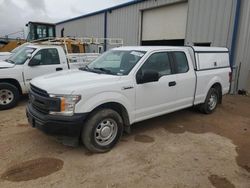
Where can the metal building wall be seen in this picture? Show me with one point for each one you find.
(210, 21)
(126, 22)
(92, 26)
(242, 57)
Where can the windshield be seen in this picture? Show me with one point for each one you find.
(116, 62)
(21, 56)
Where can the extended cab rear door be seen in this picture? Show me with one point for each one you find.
(185, 79)
(44, 61)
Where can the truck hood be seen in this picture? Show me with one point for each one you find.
(67, 82)
(4, 64)
(5, 53)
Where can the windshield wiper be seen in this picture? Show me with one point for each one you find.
(104, 70)
(96, 70)
(85, 68)
(10, 61)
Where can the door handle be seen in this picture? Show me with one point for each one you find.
(59, 69)
(171, 84)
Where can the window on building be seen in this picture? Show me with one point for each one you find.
(51, 32)
(41, 31)
(202, 44)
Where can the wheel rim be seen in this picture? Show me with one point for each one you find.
(6, 96)
(212, 102)
(106, 132)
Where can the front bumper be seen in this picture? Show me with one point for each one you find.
(65, 126)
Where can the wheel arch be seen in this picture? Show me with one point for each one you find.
(215, 82)
(218, 86)
(118, 107)
(13, 82)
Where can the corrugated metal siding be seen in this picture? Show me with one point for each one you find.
(92, 26)
(243, 46)
(210, 21)
(126, 22)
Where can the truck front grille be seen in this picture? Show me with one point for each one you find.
(41, 101)
(38, 91)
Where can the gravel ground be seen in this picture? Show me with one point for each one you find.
(182, 149)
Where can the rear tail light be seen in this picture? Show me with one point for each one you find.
(230, 75)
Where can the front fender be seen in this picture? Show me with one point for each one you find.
(86, 106)
(13, 75)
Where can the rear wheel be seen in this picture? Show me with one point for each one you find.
(102, 130)
(9, 96)
(211, 101)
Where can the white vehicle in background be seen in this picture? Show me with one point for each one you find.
(124, 86)
(29, 62)
(76, 59)
(6, 55)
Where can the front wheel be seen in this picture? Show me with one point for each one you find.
(9, 96)
(102, 130)
(211, 101)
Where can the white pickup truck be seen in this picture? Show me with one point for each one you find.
(30, 61)
(124, 86)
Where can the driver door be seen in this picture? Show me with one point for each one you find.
(156, 98)
(45, 61)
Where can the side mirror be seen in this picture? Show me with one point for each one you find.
(29, 56)
(34, 62)
(148, 76)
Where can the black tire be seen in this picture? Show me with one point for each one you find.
(92, 130)
(206, 108)
(10, 91)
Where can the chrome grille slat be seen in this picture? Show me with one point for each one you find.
(38, 91)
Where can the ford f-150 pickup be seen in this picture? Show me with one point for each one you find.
(126, 85)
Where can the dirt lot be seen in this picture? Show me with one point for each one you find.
(182, 149)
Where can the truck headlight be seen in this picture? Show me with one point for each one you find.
(67, 104)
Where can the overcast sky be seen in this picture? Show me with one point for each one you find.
(14, 14)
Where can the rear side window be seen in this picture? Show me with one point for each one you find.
(181, 62)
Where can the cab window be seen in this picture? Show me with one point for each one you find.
(158, 62)
(47, 57)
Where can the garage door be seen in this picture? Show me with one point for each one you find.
(165, 23)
